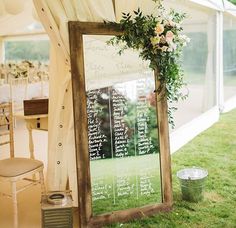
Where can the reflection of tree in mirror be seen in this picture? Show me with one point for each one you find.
(131, 124)
(98, 124)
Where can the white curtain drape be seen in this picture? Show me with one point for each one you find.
(147, 7)
(54, 15)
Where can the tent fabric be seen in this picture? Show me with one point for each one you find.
(61, 150)
(23, 22)
(54, 15)
(59, 128)
(213, 4)
(12, 24)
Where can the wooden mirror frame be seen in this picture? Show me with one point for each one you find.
(86, 218)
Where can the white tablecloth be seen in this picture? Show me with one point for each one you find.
(34, 90)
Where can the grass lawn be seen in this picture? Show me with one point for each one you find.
(215, 150)
(131, 182)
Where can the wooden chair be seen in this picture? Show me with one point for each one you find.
(18, 93)
(15, 169)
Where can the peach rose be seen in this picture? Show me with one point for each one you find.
(159, 29)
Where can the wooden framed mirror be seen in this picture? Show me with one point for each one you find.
(121, 131)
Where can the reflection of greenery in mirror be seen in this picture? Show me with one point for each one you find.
(122, 129)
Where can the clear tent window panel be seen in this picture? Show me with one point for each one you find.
(32, 50)
(199, 67)
(229, 56)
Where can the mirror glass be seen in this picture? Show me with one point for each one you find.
(122, 128)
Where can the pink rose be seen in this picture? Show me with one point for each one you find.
(169, 36)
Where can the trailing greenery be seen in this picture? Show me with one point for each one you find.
(159, 40)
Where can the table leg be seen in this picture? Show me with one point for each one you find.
(15, 209)
(31, 143)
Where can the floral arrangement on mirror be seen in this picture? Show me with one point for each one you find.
(159, 40)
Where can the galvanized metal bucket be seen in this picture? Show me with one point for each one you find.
(192, 183)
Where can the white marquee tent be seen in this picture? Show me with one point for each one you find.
(207, 23)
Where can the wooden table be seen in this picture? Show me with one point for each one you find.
(34, 122)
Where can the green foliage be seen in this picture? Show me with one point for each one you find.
(130, 121)
(157, 39)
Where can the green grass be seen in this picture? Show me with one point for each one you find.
(215, 150)
(128, 172)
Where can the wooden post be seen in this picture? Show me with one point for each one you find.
(163, 129)
(81, 127)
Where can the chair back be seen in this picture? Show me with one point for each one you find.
(6, 127)
(44, 79)
(3, 74)
(18, 93)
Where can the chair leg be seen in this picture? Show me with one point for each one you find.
(41, 178)
(15, 209)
